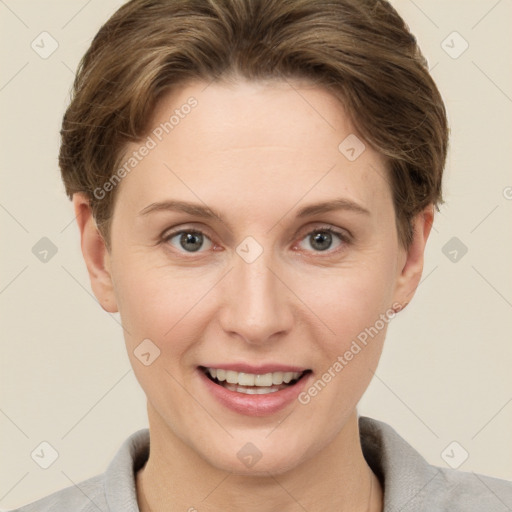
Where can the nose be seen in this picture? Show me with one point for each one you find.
(256, 301)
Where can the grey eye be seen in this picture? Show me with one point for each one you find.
(188, 240)
(191, 241)
(321, 240)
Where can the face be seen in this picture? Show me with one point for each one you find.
(220, 261)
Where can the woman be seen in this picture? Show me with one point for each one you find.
(254, 183)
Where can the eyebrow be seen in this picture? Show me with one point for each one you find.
(335, 204)
(198, 210)
(182, 206)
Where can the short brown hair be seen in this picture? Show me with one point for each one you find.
(360, 50)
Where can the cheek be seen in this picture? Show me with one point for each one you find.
(160, 303)
(351, 300)
(157, 307)
(357, 311)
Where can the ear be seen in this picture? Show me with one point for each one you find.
(411, 260)
(95, 253)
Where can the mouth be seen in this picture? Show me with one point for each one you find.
(254, 383)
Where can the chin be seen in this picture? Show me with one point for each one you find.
(249, 461)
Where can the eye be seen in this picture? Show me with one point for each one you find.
(189, 240)
(321, 239)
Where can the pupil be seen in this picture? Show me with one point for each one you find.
(322, 236)
(190, 238)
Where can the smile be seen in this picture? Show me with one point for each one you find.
(251, 390)
(253, 383)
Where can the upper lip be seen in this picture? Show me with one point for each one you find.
(258, 370)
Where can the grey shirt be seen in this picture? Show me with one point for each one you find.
(410, 483)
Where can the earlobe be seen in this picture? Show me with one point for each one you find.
(95, 253)
(411, 266)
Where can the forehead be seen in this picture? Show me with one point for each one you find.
(254, 143)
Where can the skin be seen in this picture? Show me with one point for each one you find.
(256, 152)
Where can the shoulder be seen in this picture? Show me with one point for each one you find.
(112, 490)
(468, 491)
(86, 496)
(410, 483)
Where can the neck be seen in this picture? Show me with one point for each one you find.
(336, 479)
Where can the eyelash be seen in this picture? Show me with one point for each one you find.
(344, 238)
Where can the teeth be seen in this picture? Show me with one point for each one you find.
(264, 381)
(288, 376)
(231, 377)
(251, 390)
(277, 378)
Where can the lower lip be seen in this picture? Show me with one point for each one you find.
(255, 405)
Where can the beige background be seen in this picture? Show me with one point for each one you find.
(65, 378)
